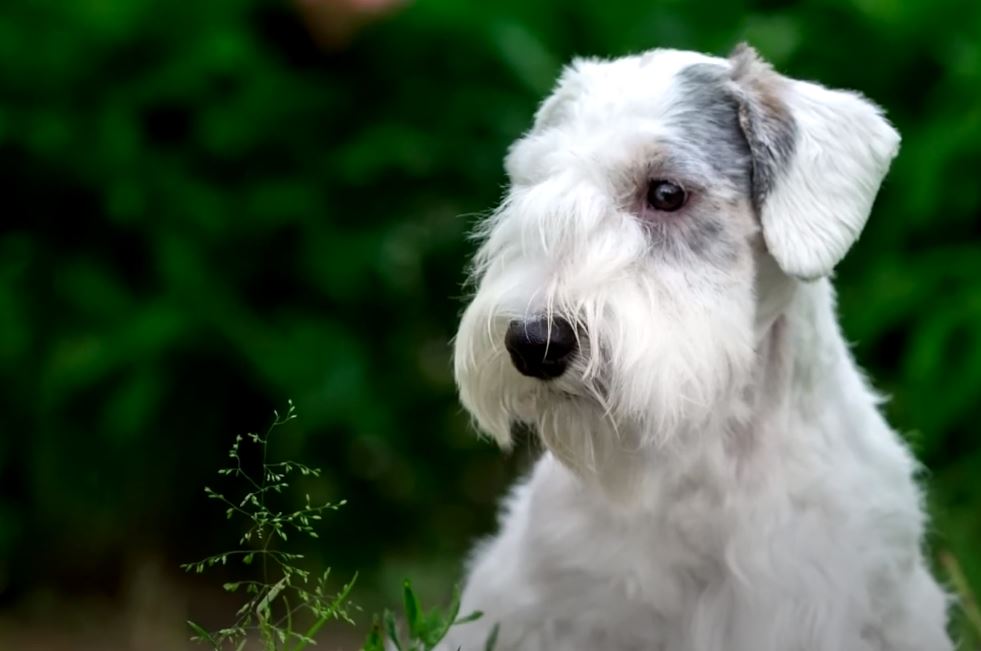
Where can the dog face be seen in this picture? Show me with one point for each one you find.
(617, 304)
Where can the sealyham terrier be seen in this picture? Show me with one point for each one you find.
(653, 299)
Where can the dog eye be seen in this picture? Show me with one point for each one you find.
(665, 195)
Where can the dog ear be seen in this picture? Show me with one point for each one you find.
(818, 158)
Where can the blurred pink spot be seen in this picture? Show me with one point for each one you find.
(335, 22)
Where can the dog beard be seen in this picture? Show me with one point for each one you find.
(590, 440)
(655, 366)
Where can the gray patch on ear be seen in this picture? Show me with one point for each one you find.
(708, 118)
(768, 126)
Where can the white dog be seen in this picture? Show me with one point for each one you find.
(652, 297)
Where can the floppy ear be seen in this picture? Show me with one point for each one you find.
(818, 159)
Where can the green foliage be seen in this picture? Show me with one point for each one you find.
(204, 212)
(967, 613)
(424, 630)
(274, 602)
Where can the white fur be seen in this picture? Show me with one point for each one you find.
(717, 474)
(813, 218)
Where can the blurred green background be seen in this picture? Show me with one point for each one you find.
(211, 207)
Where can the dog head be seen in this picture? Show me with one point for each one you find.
(617, 304)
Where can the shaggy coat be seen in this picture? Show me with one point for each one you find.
(717, 474)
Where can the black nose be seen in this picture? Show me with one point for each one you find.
(541, 348)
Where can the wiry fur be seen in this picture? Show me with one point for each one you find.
(717, 474)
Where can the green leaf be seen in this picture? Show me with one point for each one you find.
(454, 608)
(392, 629)
(375, 641)
(492, 638)
(439, 623)
(475, 615)
(413, 610)
(433, 629)
(203, 635)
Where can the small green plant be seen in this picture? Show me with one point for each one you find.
(285, 593)
(966, 609)
(424, 630)
(285, 606)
